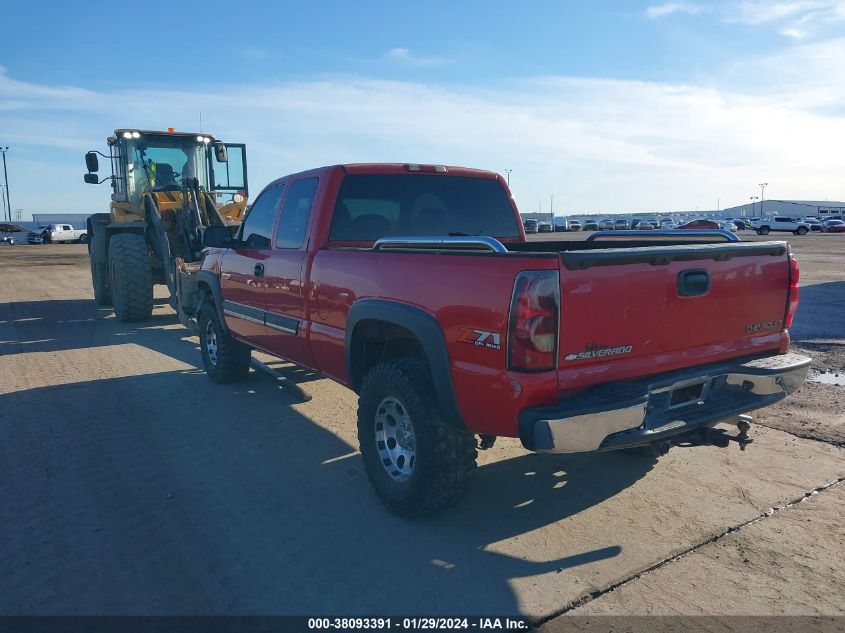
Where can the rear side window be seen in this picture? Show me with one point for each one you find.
(372, 206)
(258, 226)
(294, 218)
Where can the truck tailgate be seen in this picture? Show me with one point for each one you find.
(632, 312)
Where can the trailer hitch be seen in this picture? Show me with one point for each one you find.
(722, 439)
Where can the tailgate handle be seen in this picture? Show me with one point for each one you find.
(693, 283)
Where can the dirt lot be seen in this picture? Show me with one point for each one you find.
(132, 484)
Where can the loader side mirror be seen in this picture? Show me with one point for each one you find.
(217, 237)
(220, 153)
(92, 162)
(92, 179)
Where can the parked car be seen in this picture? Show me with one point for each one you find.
(7, 233)
(814, 223)
(561, 225)
(728, 225)
(574, 225)
(741, 225)
(545, 227)
(531, 226)
(482, 347)
(591, 225)
(781, 224)
(57, 233)
(607, 225)
(635, 222)
(621, 224)
(642, 225)
(833, 226)
(667, 224)
(700, 224)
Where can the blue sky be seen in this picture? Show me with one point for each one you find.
(610, 106)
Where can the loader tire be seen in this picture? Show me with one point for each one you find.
(100, 281)
(131, 278)
(225, 358)
(417, 462)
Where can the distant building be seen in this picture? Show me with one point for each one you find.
(797, 208)
(77, 220)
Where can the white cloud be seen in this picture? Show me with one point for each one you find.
(669, 8)
(405, 56)
(597, 144)
(797, 20)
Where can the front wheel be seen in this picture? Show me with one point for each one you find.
(225, 358)
(763, 230)
(416, 461)
(130, 277)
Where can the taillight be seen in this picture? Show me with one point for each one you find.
(793, 295)
(533, 326)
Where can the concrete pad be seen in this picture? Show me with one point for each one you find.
(787, 564)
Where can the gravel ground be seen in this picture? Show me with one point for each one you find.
(132, 484)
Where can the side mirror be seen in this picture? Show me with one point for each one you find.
(220, 153)
(92, 179)
(92, 162)
(218, 237)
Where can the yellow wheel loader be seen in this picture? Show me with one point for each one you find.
(167, 188)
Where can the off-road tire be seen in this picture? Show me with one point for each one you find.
(130, 278)
(100, 281)
(232, 358)
(763, 230)
(444, 453)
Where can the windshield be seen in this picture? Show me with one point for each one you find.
(162, 163)
(371, 206)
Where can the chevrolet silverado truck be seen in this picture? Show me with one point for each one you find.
(415, 286)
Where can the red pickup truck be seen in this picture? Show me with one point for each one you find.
(414, 285)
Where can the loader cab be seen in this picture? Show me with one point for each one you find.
(162, 162)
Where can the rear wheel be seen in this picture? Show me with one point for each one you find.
(100, 281)
(225, 359)
(416, 461)
(130, 277)
(83, 239)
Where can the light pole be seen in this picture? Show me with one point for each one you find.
(508, 176)
(3, 200)
(552, 208)
(753, 198)
(6, 177)
(763, 186)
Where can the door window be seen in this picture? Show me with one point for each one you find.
(258, 225)
(229, 178)
(293, 221)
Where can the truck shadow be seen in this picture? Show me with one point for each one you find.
(821, 312)
(167, 494)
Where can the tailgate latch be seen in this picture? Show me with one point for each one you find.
(693, 283)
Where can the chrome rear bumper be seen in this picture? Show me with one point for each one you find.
(626, 414)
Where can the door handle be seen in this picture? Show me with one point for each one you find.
(259, 270)
(693, 283)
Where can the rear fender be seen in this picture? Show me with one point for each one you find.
(427, 331)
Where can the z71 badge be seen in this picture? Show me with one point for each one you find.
(482, 338)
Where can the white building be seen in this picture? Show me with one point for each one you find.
(794, 208)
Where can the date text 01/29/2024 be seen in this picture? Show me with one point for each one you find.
(418, 623)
